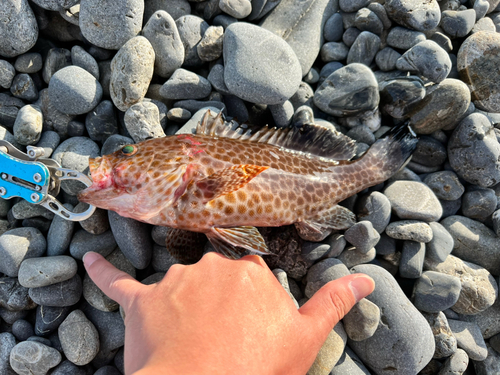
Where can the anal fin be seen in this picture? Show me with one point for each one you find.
(185, 246)
(319, 227)
(232, 242)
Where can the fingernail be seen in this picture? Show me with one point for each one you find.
(361, 286)
(90, 257)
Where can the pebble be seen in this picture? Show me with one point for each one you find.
(110, 32)
(66, 367)
(330, 352)
(348, 91)
(323, 272)
(131, 72)
(83, 242)
(79, 338)
(446, 343)
(445, 184)
(49, 318)
(13, 296)
(22, 330)
(412, 259)
(456, 364)
(43, 271)
(362, 320)
(101, 123)
(414, 14)
(7, 73)
(350, 364)
(142, 121)
(162, 33)
(17, 245)
(429, 152)
(403, 38)
(28, 126)
(435, 292)
(19, 29)
(23, 87)
(191, 29)
(9, 107)
(469, 339)
(441, 244)
(400, 97)
(442, 40)
(476, 64)
(386, 59)
(115, 143)
(333, 29)
(94, 296)
(176, 8)
(184, 84)
(410, 230)
(403, 340)
(353, 256)
(479, 288)
(488, 320)
(413, 200)
(350, 35)
(271, 80)
(368, 20)
(33, 358)
(364, 49)
(484, 24)
(457, 24)
(362, 235)
(30, 62)
(84, 60)
(74, 153)
(353, 5)
(334, 51)
(65, 293)
(491, 365)
(479, 203)
(7, 343)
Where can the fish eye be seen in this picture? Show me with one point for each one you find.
(129, 150)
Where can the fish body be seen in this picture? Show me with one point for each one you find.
(224, 183)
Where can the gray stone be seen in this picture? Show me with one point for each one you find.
(403, 38)
(488, 320)
(24, 88)
(282, 113)
(368, 20)
(28, 125)
(57, 58)
(7, 343)
(271, 80)
(445, 184)
(83, 242)
(352, 5)
(352, 256)
(386, 59)
(180, 115)
(194, 106)
(458, 24)
(330, 352)
(19, 29)
(142, 121)
(9, 107)
(7, 73)
(19, 244)
(312, 251)
(97, 223)
(175, 8)
(38, 272)
(191, 29)
(10, 317)
(479, 203)
(49, 318)
(74, 91)
(386, 245)
(110, 32)
(474, 242)
(184, 84)
(410, 230)
(413, 200)
(33, 358)
(109, 325)
(348, 91)
(414, 14)
(479, 288)
(364, 48)
(362, 320)
(456, 364)
(107, 370)
(491, 365)
(301, 25)
(74, 153)
(67, 367)
(403, 342)
(30, 62)
(216, 78)
(162, 260)
(131, 72)
(13, 296)
(190, 126)
(469, 338)
(84, 60)
(441, 244)
(115, 143)
(334, 51)
(446, 343)
(442, 40)
(210, 46)
(162, 33)
(52, 118)
(236, 8)
(350, 35)
(323, 272)
(65, 293)
(101, 123)
(495, 342)
(283, 280)
(79, 338)
(60, 233)
(434, 292)
(412, 259)
(363, 236)
(429, 152)
(350, 364)
(94, 296)
(333, 29)
(25, 210)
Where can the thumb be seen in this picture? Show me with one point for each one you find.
(330, 304)
(116, 284)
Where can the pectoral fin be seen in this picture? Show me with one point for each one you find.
(232, 242)
(185, 246)
(319, 227)
(227, 180)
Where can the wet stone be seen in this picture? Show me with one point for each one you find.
(403, 339)
(83, 242)
(446, 343)
(475, 62)
(348, 91)
(131, 72)
(101, 123)
(28, 125)
(33, 358)
(65, 293)
(474, 242)
(271, 80)
(30, 62)
(435, 292)
(445, 184)
(38, 272)
(362, 320)
(479, 203)
(456, 364)
(49, 318)
(323, 272)
(19, 29)
(19, 244)
(469, 338)
(79, 338)
(403, 38)
(414, 14)
(458, 24)
(142, 121)
(364, 49)
(441, 244)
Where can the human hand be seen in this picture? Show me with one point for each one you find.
(222, 316)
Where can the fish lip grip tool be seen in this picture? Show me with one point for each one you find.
(37, 179)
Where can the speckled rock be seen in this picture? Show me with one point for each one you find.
(142, 121)
(43, 271)
(191, 29)
(414, 14)
(403, 342)
(479, 288)
(410, 230)
(330, 352)
(476, 63)
(445, 184)
(28, 125)
(446, 343)
(362, 320)
(456, 364)
(131, 72)
(33, 358)
(19, 28)
(79, 338)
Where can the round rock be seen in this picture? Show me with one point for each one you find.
(65, 293)
(446, 343)
(101, 123)
(30, 62)
(185, 85)
(83, 242)
(323, 272)
(19, 244)
(259, 66)
(469, 338)
(28, 125)
(362, 235)
(479, 203)
(18, 28)
(60, 233)
(142, 121)
(457, 24)
(364, 48)
(409, 230)
(362, 320)
(38, 272)
(74, 91)
(414, 14)
(33, 358)
(445, 184)
(441, 244)
(434, 291)
(7, 73)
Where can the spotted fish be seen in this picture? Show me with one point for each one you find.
(224, 181)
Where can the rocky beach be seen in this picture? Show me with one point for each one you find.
(82, 78)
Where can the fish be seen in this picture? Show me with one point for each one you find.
(223, 181)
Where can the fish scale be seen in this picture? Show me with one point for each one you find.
(224, 182)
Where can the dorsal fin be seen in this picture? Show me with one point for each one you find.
(310, 138)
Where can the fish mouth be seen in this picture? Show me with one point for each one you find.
(102, 181)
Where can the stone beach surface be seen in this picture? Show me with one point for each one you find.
(83, 78)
